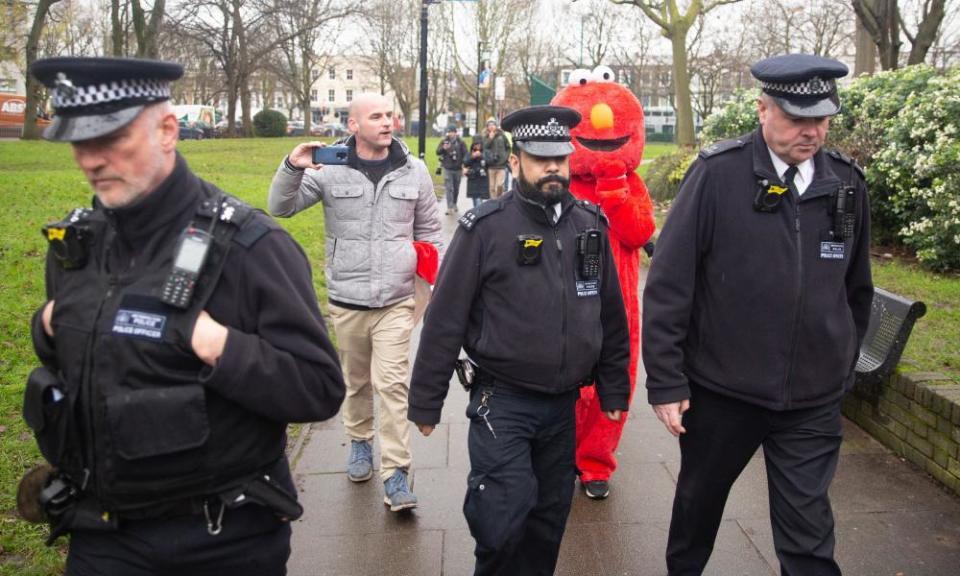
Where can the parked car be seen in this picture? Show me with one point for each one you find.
(329, 129)
(295, 128)
(191, 132)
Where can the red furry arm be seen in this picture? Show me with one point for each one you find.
(627, 205)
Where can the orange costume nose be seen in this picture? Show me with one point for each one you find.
(601, 116)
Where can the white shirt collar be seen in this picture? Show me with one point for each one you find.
(557, 209)
(804, 171)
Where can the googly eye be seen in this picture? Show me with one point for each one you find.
(603, 74)
(579, 77)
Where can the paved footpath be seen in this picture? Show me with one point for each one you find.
(891, 518)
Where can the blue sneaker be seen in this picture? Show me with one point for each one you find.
(360, 466)
(397, 494)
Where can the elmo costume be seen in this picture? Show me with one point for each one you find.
(608, 146)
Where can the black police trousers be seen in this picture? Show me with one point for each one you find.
(800, 449)
(522, 478)
(253, 542)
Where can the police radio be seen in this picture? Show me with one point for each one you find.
(189, 258)
(844, 210)
(588, 251)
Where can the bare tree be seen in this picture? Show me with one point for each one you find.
(392, 32)
(884, 20)
(33, 87)
(674, 25)
(307, 48)
(147, 27)
(497, 28)
(598, 33)
(536, 56)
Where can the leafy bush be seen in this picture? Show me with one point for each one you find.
(666, 173)
(269, 124)
(916, 171)
(738, 116)
(871, 105)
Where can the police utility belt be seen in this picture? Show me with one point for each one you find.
(46, 494)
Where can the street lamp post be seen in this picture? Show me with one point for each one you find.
(481, 56)
(422, 125)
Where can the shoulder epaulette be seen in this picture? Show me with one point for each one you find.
(238, 213)
(722, 146)
(593, 209)
(837, 155)
(472, 216)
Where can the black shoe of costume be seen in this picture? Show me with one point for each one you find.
(596, 489)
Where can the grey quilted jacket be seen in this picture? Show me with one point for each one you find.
(370, 259)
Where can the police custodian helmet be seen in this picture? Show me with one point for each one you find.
(803, 85)
(93, 97)
(542, 130)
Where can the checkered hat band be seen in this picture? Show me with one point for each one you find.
(541, 132)
(815, 86)
(95, 94)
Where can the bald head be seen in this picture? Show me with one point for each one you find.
(371, 122)
(363, 102)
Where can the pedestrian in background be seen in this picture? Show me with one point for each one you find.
(756, 304)
(451, 151)
(375, 207)
(496, 152)
(475, 169)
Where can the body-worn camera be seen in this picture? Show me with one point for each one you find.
(70, 239)
(466, 372)
(769, 196)
(528, 249)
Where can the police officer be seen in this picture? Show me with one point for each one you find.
(754, 309)
(180, 336)
(528, 288)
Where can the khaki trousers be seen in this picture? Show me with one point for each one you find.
(496, 177)
(374, 350)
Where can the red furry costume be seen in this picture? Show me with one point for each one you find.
(609, 145)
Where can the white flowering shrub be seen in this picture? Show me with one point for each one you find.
(871, 105)
(738, 116)
(917, 171)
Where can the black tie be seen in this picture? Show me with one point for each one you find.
(788, 177)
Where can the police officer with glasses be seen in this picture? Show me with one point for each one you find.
(529, 291)
(180, 335)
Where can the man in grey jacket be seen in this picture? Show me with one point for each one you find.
(375, 206)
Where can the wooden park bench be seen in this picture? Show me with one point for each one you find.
(891, 320)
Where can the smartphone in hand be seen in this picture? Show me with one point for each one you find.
(330, 155)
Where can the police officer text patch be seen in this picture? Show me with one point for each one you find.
(138, 324)
(831, 250)
(588, 288)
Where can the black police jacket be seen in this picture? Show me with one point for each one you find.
(537, 326)
(138, 420)
(768, 308)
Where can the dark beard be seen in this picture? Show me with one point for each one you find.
(541, 194)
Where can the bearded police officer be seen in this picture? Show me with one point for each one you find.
(180, 336)
(753, 313)
(529, 290)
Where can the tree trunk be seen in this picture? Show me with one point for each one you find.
(927, 32)
(33, 88)
(681, 87)
(866, 59)
(116, 28)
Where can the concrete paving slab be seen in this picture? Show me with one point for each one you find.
(748, 497)
(411, 553)
(885, 483)
(639, 492)
(896, 543)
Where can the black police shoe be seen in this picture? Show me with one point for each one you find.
(596, 489)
